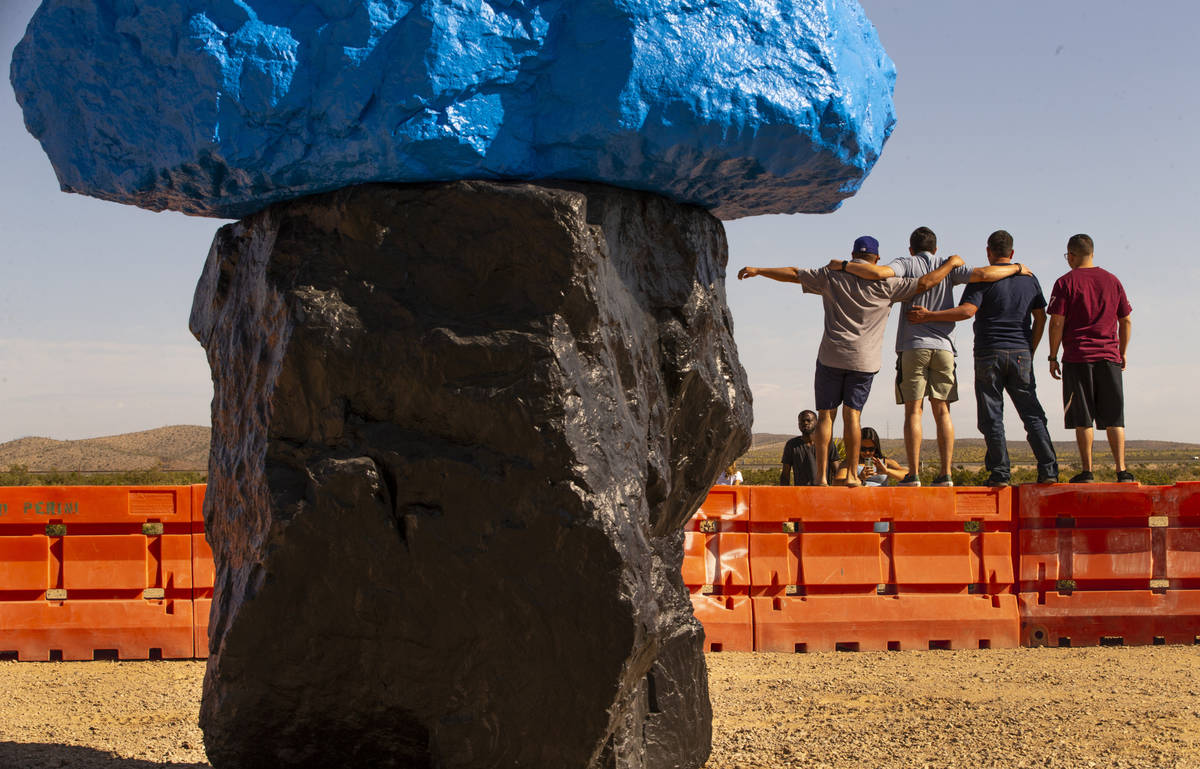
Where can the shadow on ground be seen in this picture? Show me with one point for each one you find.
(38, 755)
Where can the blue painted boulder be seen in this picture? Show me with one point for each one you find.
(220, 107)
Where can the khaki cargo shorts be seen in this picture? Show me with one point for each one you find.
(926, 374)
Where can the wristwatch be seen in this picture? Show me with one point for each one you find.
(1053, 359)
(844, 263)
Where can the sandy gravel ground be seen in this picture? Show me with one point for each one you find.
(1106, 707)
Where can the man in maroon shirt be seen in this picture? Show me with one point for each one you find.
(1089, 317)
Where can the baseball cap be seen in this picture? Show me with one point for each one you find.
(866, 245)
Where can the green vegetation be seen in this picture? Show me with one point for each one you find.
(19, 475)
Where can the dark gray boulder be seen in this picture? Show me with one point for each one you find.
(457, 430)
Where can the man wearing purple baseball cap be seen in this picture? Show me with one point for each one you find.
(856, 312)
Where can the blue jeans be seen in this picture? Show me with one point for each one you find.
(998, 371)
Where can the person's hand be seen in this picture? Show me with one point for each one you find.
(834, 264)
(918, 314)
(955, 261)
(1055, 370)
(1122, 361)
(1024, 269)
(747, 272)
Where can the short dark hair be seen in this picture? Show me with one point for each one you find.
(806, 411)
(922, 239)
(1000, 243)
(1080, 245)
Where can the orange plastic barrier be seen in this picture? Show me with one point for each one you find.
(716, 569)
(881, 568)
(88, 571)
(1109, 563)
(202, 573)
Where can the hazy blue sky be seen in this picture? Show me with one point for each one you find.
(1045, 119)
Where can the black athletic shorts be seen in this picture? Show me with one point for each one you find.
(1092, 393)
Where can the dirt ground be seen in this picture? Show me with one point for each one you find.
(1101, 707)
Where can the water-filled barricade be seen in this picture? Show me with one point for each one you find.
(1109, 564)
(91, 572)
(881, 568)
(716, 569)
(124, 572)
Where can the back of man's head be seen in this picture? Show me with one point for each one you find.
(1000, 245)
(922, 239)
(1080, 245)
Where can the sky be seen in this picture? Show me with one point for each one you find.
(1045, 119)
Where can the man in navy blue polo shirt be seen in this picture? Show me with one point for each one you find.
(1010, 316)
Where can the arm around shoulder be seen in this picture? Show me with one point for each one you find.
(870, 271)
(994, 272)
(931, 279)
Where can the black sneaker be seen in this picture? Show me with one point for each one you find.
(942, 480)
(1047, 480)
(910, 480)
(996, 483)
(1124, 476)
(1084, 477)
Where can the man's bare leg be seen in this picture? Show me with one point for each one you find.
(1116, 443)
(913, 435)
(945, 432)
(1083, 437)
(852, 439)
(821, 438)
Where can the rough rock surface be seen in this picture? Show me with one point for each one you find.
(220, 107)
(457, 431)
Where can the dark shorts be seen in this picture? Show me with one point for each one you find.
(1093, 393)
(835, 386)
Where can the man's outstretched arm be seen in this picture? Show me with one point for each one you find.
(929, 280)
(783, 274)
(919, 314)
(995, 272)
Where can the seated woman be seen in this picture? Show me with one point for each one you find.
(874, 469)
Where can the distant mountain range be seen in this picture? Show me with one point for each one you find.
(178, 447)
(185, 448)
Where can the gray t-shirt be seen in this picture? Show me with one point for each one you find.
(927, 336)
(856, 312)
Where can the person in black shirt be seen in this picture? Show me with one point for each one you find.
(800, 455)
(1010, 316)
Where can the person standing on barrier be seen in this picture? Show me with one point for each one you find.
(1089, 317)
(1010, 317)
(856, 312)
(800, 455)
(925, 354)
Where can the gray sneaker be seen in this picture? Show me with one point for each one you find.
(910, 480)
(942, 480)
